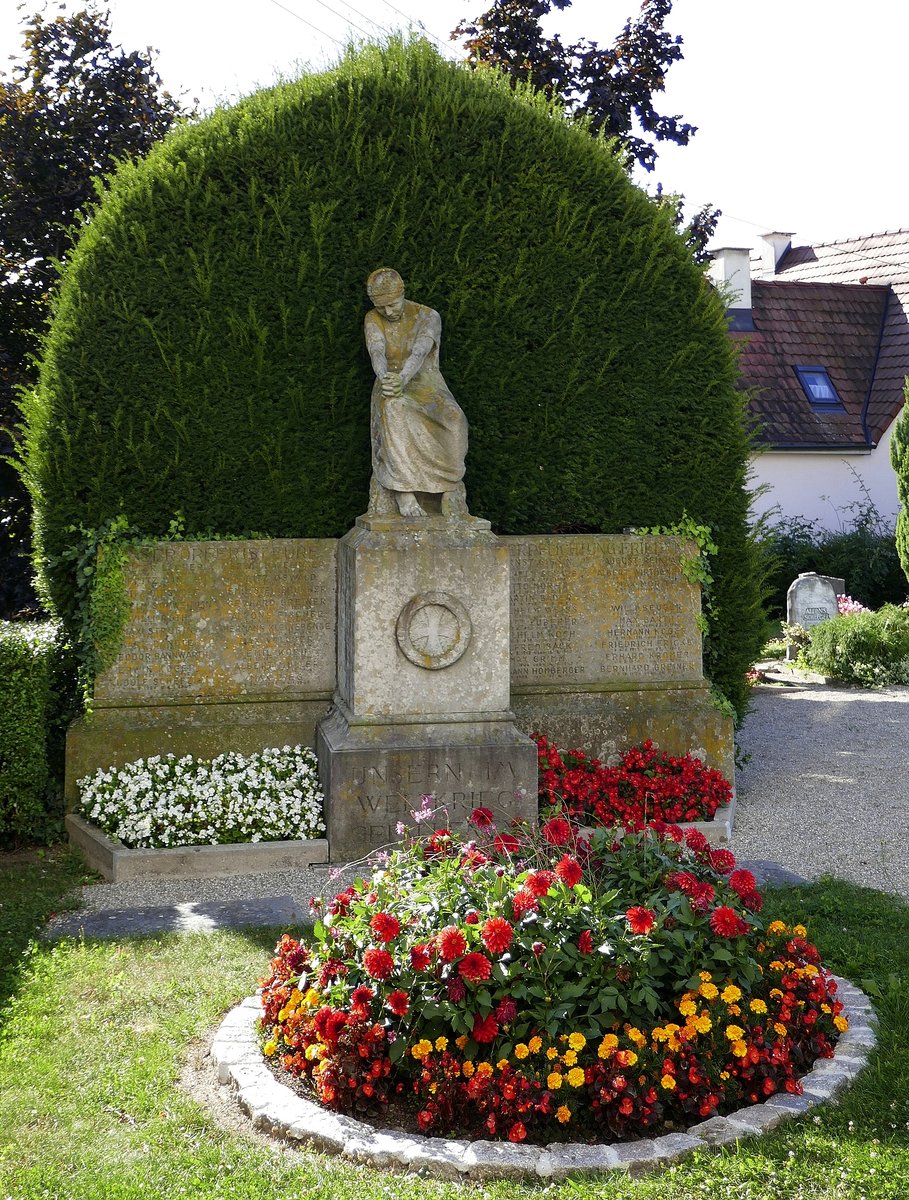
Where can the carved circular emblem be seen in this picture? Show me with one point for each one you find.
(433, 630)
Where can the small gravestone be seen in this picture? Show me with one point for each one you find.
(810, 600)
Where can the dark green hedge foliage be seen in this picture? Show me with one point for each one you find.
(29, 677)
(899, 457)
(207, 352)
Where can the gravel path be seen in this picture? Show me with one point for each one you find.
(826, 789)
(825, 792)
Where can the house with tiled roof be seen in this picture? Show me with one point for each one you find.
(823, 340)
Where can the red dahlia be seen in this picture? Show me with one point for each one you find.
(398, 1002)
(539, 882)
(385, 927)
(521, 902)
(506, 843)
(496, 935)
(585, 942)
(696, 841)
(640, 919)
(485, 1028)
(452, 943)
(475, 967)
(742, 882)
(569, 870)
(556, 831)
(481, 818)
(419, 957)
(726, 922)
(378, 963)
(701, 896)
(722, 861)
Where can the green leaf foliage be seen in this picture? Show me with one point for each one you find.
(27, 679)
(899, 457)
(207, 350)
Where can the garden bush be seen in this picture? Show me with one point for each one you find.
(206, 352)
(30, 671)
(541, 987)
(867, 648)
(862, 552)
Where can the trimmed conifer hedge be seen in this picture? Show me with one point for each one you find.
(207, 352)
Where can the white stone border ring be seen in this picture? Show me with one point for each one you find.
(433, 630)
(278, 1110)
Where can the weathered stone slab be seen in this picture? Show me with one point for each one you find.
(589, 612)
(423, 623)
(811, 599)
(112, 737)
(225, 620)
(375, 775)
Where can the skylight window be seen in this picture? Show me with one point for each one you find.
(818, 387)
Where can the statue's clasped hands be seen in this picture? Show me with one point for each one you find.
(392, 384)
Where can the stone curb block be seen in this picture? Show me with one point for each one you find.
(116, 862)
(277, 1109)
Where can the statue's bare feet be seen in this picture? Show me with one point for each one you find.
(408, 505)
(454, 503)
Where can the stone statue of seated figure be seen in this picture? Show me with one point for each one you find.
(419, 433)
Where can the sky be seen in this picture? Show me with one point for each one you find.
(800, 104)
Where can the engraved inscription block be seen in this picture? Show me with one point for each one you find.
(226, 620)
(588, 610)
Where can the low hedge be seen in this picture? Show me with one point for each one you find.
(870, 649)
(31, 666)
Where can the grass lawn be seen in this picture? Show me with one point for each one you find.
(95, 1035)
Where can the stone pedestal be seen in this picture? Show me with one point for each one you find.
(423, 699)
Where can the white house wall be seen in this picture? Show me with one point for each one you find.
(821, 485)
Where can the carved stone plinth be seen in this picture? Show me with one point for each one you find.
(423, 683)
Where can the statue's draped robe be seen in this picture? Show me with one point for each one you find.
(419, 439)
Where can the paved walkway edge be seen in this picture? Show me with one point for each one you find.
(278, 1110)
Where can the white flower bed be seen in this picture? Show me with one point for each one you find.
(165, 801)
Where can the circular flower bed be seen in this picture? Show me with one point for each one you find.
(541, 986)
(646, 785)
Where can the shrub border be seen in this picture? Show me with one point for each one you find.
(279, 1111)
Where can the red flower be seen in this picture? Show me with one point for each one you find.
(361, 994)
(521, 902)
(722, 861)
(481, 818)
(385, 927)
(537, 949)
(475, 967)
(378, 963)
(753, 901)
(485, 1028)
(539, 882)
(681, 881)
(452, 943)
(517, 1133)
(496, 935)
(398, 1002)
(702, 896)
(456, 989)
(506, 1011)
(473, 917)
(696, 841)
(556, 831)
(640, 920)
(425, 1118)
(506, 843)
(725, 922)
(420, 957)
(742, 881)
(569, 870)
(585, 942)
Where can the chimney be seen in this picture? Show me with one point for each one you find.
(776, 245)
(732, 267)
